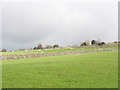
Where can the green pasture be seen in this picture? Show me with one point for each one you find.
(93, 70)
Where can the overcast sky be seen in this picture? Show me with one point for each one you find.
(63, 22)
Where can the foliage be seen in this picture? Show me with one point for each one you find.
(3, 50)
(39, 46)
(101, 43)
(93, 42)
(48, 46)
(55, 46)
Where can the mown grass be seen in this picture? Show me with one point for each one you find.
(54, 50)
(93, 70)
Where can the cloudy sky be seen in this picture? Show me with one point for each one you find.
(65, 22)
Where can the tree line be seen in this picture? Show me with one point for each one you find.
(86, 43)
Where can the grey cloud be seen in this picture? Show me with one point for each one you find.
(69, 23)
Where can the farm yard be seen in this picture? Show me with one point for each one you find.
(85, 67)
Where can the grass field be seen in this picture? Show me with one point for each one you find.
(93, 70)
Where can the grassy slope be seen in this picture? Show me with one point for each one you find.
(93, 70)
(54, 50)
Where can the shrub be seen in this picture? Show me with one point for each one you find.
(34, 48)
(101, 43)
(93, 42)
(39, 46)
(55, 46)
(48, 46)
(3, 50)
(115, 42)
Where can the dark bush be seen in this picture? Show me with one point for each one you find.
(34, 48)
(93, 42)
(3, 50)
(39, 46)
(55, 46)
(115, 42)
(101, 43)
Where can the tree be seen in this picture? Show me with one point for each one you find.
(55, 46)
(3, 50)
(93, 42)
(34, 48)
(39, 46)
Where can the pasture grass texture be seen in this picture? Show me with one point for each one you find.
(55, 50)
(92, 70)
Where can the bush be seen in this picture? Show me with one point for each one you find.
(34, 48)
(48, 46)
(39, 46)
(101, 43)
(55, 46)
(93, 42)
(3, 50)
(115, 42)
